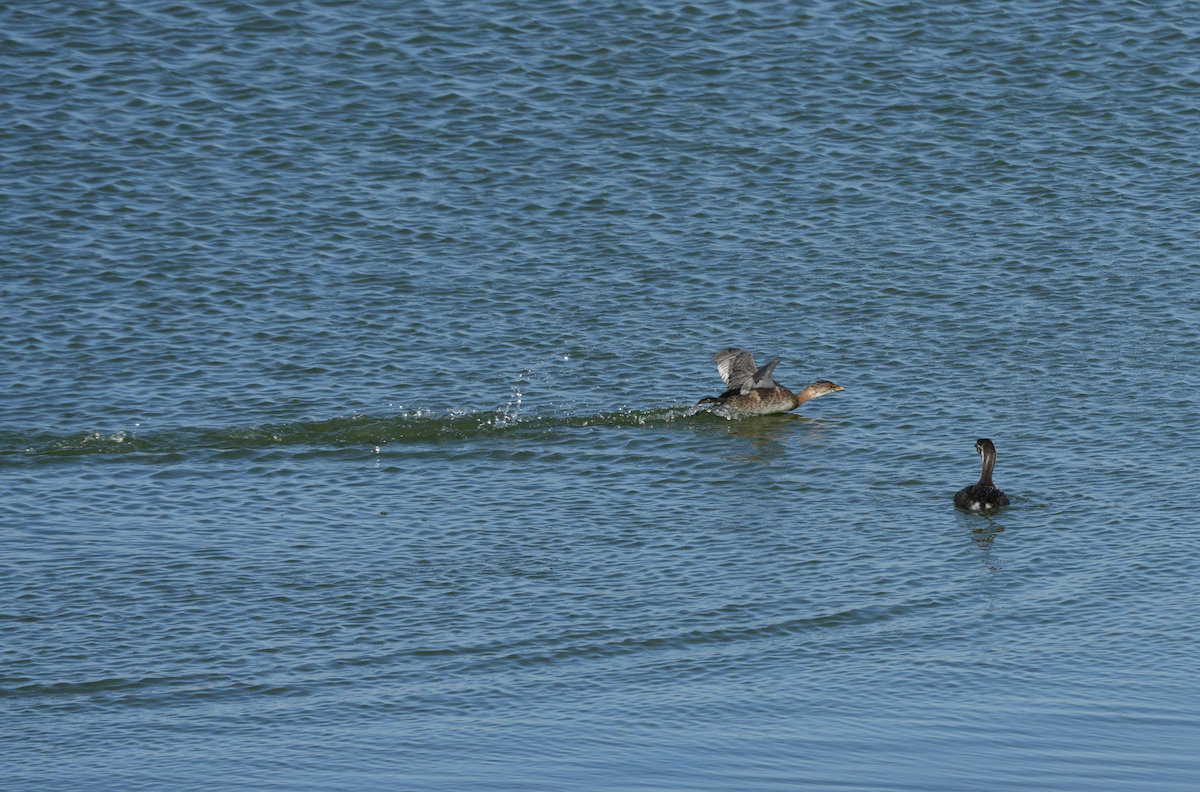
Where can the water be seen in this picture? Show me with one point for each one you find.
(350, 355)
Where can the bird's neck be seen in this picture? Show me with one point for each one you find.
(989, 462)
(804, 395)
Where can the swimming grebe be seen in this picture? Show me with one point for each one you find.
(752, 390)
(985, 494)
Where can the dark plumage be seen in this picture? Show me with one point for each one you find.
(752, 391)
(985, 494)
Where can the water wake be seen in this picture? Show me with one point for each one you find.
(353, 430)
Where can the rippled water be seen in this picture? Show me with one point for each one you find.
(348, 436)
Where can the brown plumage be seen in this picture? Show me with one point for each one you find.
(752, 391)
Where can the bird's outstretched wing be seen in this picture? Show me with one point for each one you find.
(735, 366)
(761, 378)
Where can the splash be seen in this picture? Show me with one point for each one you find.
(509, 414)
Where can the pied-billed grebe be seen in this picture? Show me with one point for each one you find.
(985, 494)
(752, 390)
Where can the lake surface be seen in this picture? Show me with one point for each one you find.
(348, 436)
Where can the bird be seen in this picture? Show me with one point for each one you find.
(984, 495)
(752, 391)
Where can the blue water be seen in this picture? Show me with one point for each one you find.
(348, 436)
